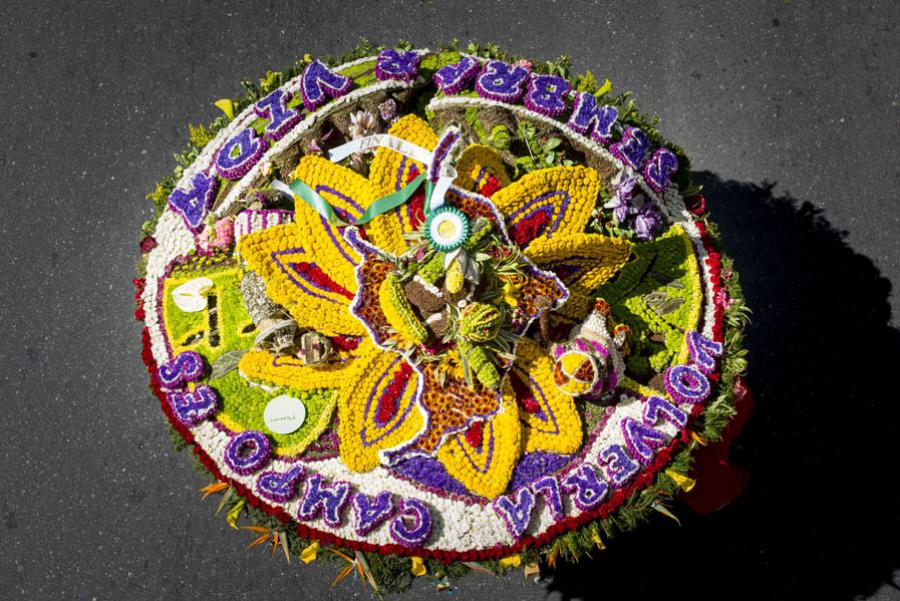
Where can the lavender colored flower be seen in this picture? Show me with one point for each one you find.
(647, 221)
(388, 110)
(624, 185)
(621, 205)
(621, 208)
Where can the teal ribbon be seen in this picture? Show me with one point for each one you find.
(379, 207)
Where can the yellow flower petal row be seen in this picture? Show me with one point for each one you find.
(565, 435)
(326, 177)
(383, 172)
(343, 188)
(276, 253)
(264, 367)
(475, 164)
(399, 313)
(581, 184)
(598, 257)
(363, 439)
(486, 469)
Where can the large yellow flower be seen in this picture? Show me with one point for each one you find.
(388, 407)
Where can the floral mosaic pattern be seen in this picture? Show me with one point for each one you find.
(488, 352)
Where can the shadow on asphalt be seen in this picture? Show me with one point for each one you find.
(818, 517)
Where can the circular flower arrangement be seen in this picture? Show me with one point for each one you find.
(437, 311)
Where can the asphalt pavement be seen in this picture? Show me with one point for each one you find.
(790, 112)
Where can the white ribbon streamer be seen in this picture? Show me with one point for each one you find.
(447, 173)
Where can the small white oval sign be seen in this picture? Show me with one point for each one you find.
(284, 414)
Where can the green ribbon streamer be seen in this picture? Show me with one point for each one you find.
(379, 207)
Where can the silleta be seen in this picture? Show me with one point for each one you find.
(432, 304)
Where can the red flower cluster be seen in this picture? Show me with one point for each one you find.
(490, 185)
(528, 229)
(416, 203)
(695, 204)
(523, 394)
(314, 273)
(389, 401)
(138, 293)
(713, 261)
(345, 343)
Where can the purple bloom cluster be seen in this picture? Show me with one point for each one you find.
(394, 64)
(247, 452)
(637, 213)
(388, 110)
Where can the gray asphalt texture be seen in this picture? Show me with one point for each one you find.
(791, 113)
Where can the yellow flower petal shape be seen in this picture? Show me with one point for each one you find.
(585, 261)
(380, 411)
(549, 417)
(350, 194)
(304, 274)
(476, 164)
(548, 202)
(267, 368)
(484, 456)
(391, 171)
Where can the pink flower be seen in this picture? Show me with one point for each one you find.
(202, 237)
(722, 299)
(523, 63)
(224, 232)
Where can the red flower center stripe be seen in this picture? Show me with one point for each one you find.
(313, 274)
(390, 398)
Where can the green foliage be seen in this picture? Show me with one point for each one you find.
(585, 83)
(500, 137)
(560, 67)
(160, 194)
(200, 136)
(542, 153)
